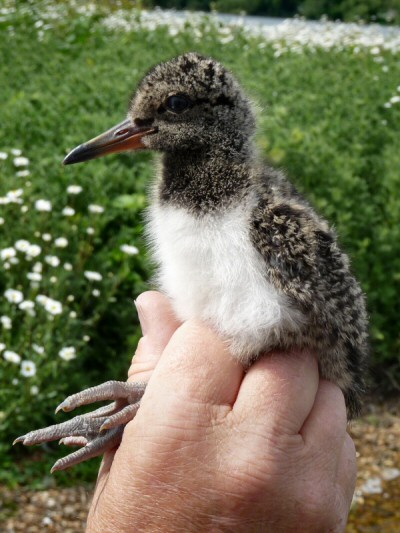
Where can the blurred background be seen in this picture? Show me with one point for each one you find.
(72, 253)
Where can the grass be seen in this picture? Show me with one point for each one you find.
(325, 117)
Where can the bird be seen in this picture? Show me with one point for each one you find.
(235, 244)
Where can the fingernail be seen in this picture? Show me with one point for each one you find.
(141, 316)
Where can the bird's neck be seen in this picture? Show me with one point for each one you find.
(203, 181)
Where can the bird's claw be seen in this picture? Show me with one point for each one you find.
(94, 432)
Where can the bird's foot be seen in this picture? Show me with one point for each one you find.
(94, 432)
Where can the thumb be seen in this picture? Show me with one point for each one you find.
(158, 324)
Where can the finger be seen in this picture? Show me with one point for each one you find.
(105, 466)
(278, 392)
(100, 488)
(196, 365)
(327, 422)
(347, 470)
(158, 323)
(104, 471)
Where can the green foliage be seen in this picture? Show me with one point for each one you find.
(238, 6)
(323, 119)
(386, 11)
(383, 11)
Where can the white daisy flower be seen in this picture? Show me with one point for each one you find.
(94, 208)
(14, 296)
(7, 253)
(28, 369)
(53, 307)
(33, 251)
(16, 151)
(2, 346)
(68, 211)
(61, 242)
(6, 322)
(96, 293)
(43, 205)
(12, 357)
(90, 231)
(34, 276)
(22, 173)
(52, 260)
(22, 245)
(93, 276)
(46, 237)
(74, 189)
(41, 299)
(4, 200)
(3, 155)
(37, 267)
(1, 221)
(27, 305)
(128, 249)
(73, 314)
(67, 353)
(34, 390)
(38, 349)
(14, 196)
(67, 266)
(21, 161)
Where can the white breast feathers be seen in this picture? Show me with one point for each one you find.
(211, 271)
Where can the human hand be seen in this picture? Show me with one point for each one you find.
(215, 449)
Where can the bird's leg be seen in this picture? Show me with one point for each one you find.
(95, 432)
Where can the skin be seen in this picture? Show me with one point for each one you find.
(215, 449)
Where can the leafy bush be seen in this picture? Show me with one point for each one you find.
(239, 6)
(329, 117)
(387, 11)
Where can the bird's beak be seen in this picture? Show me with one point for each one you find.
(123, 136)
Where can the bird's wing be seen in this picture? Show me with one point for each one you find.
(291, 243)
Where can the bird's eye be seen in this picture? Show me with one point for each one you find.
(178, 103)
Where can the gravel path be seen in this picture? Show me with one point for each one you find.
(376, 503)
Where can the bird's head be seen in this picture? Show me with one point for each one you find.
(188, 103)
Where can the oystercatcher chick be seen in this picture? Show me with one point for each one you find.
(236, 245)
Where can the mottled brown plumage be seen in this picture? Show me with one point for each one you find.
(236, 243)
